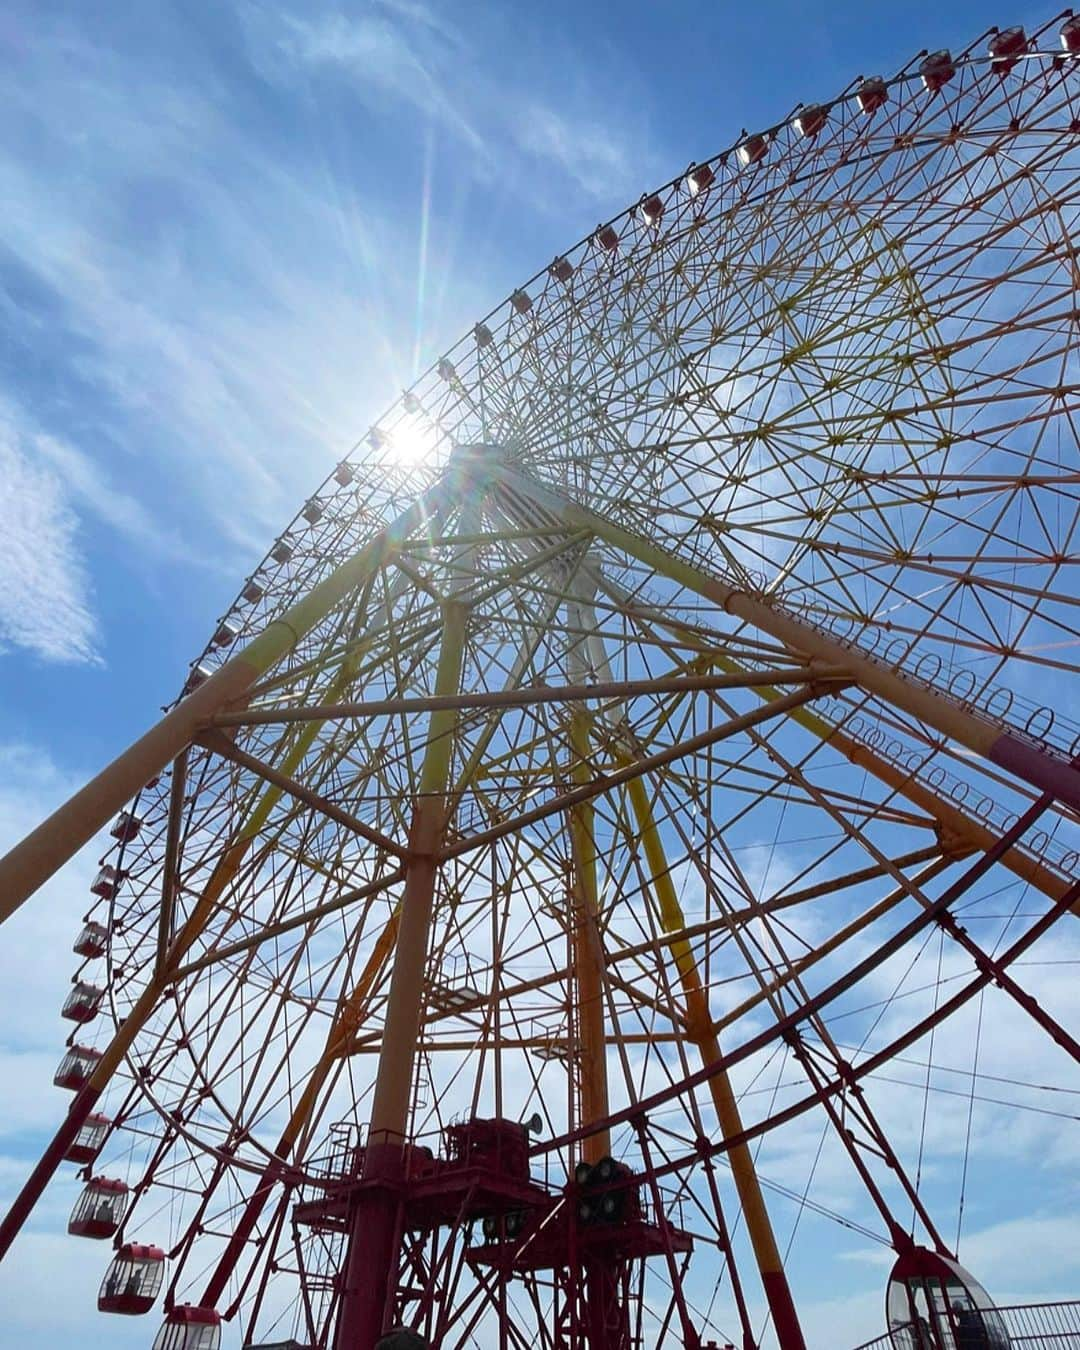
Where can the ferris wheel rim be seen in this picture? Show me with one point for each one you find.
(893, 651)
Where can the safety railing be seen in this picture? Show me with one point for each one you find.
(1043, 1326)
(1029, 1326)
(1041, 726)
(923, 767)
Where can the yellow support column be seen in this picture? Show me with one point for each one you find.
(758, 1225)
(588, 957)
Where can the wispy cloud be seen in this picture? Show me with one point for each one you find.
(223, 312)
(587, 153)
(52, 492)
(46, 604)
(398, 52)
(557, 118)
(88, 487)
(184, 297)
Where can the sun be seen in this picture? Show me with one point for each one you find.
(412, 440)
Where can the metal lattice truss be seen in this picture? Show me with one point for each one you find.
(704, 628)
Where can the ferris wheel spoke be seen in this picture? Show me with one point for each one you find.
(658, 682)
(908, 1038)
(932, 708)
(954, 822)
(221, 745)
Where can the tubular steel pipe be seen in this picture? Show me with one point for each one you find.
(217, 742)
(58, 838)
(758, 1225)
(966, 829)
(785, 703)
(512, 698)
(856, 1072)
(371, 1261)
(341, 1031)
(32, 861)
(588, 983)
(1044, 771)
(846, 981)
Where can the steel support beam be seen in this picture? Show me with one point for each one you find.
(58, 838)
(220, 744)
(1044, 771)
(45, 850)
(523, 697)
(963, 828)
(851, 977)
(588, 978)
(369, 1277)
(700, 1031)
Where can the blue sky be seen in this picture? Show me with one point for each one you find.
(232, 233)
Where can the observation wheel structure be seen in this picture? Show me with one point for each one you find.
(622, 741)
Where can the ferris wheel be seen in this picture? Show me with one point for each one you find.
(645, 743)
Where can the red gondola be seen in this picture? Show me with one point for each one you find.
(199, 675)
(127, 824)
(76, 1067)
(312, 512)
(937, 70)
(698, 179)
(99, 1209)
(227, 632)
(83, 1003)
(252, 592)
(133, 1280)
(281, 552)
(189, 1328)
(561, 269)
(652, 208)
(86, 1145)
(809, 120)
(753, 149)
(106, 882)
(607, 238)
(933, 1298)
(93, 939)
(872, 94)
(344, 474)
(1006, 49)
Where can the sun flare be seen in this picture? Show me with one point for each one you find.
(412, 441)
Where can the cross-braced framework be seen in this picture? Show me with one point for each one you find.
(655, 727)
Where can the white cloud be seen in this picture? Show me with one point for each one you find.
(587, 153)
(42, 1264)
(197, 272)
(87, 485)
(46, 605)
(409, 54)
(198, 329)
(398, 56)
(1021, 1258)
(832, 1323)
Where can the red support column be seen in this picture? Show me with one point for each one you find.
(367, 1289)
